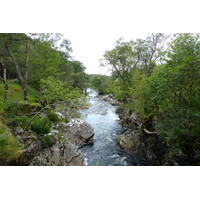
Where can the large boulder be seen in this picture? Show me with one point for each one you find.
(77, 131)
(127, 142)
(60, 154)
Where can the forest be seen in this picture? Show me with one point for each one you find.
(37, 71)
(156, 81)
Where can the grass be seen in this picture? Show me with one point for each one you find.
(10, 147)
(15, 92)
(16, 112)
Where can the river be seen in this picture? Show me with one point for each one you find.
(105, 151)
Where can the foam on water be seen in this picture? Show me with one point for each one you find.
(105, 151)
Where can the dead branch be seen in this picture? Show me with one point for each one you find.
(29, 123)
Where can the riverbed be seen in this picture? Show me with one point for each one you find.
(105, 152)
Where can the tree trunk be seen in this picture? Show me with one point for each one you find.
(4, 78)
(26, 72)
(16, 66)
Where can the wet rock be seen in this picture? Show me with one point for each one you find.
(148, 146)
(77, 131)
(65, 152)
(60, 154)
(33, 148)
(109, 98)
(127, 141)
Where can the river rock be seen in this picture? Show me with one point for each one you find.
(77, 131)
(60, 154)
(127, 141)
(109, 98)
(19, 130)
(149, 146)
(33, 148)
(26, 138)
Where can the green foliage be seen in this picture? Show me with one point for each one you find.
(14, 120)
(173, 89)
(53, 76)
(140, 97)
(41, 126)
(10, 148)
(15, 92)
(162, 86)
(62, 138)
(52, 116)
(121, 59)
(100, 83)
(65, 120)
(47, 141)
(54, 90)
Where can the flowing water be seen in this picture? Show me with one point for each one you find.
(105, 151)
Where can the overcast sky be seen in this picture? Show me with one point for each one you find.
(90, 47)
(93, 26)
(96, 25)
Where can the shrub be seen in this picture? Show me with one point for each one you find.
(41, 126)
(65, 120)
(14, 120)
(47, 141)
(53, 116)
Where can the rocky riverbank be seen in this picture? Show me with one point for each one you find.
(135, 139)
(69, 137)
(109, 98)
(68, 134)
(147, 143)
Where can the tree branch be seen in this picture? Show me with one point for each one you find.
(34, 118)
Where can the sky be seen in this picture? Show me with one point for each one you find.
(96, 25)
(93, 26)
(91, 49)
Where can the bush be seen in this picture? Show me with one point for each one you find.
(66, 120)
(41, 126)
(14, 120)
(53, 116)
(47, 141)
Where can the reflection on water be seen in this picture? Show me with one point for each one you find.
(102, 117)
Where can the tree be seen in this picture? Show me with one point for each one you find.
(174, 89)
(25, 84)
(121, 60)
(3, 77)
(9, 42)
(3, 69)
